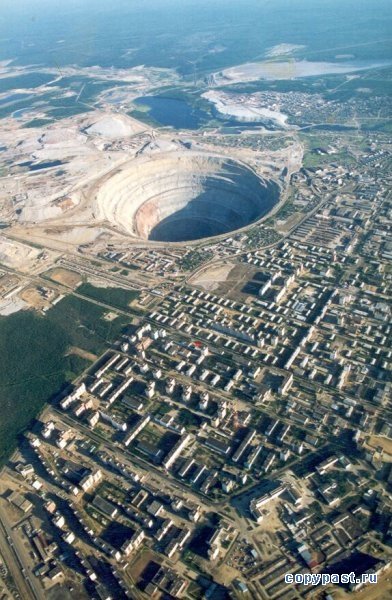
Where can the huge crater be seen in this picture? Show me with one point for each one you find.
(184, 196)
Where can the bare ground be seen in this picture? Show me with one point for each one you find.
(65, 277)
(82, 353)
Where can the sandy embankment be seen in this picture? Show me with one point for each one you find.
(210, 278)
(244, 108)
(290, 69)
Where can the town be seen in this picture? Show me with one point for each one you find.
(239, 428)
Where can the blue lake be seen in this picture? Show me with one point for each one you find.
(173, 112)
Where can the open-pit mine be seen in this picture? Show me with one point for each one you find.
(107, 178)
(183, 196)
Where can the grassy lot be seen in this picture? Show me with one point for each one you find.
(117, 297)
(34, 362)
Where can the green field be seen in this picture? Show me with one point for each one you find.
(117, 297)
(35, 364)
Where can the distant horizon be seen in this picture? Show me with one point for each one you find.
(174, 33)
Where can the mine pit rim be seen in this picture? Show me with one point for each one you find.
(137, 240)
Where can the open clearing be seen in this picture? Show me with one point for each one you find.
(376, 441)
(82, 353)
(140, 564)
(227, 279)
(210, 278)
(65, 277)
(34, 298)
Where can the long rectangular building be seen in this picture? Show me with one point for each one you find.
(176, 450)
(243, 446)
